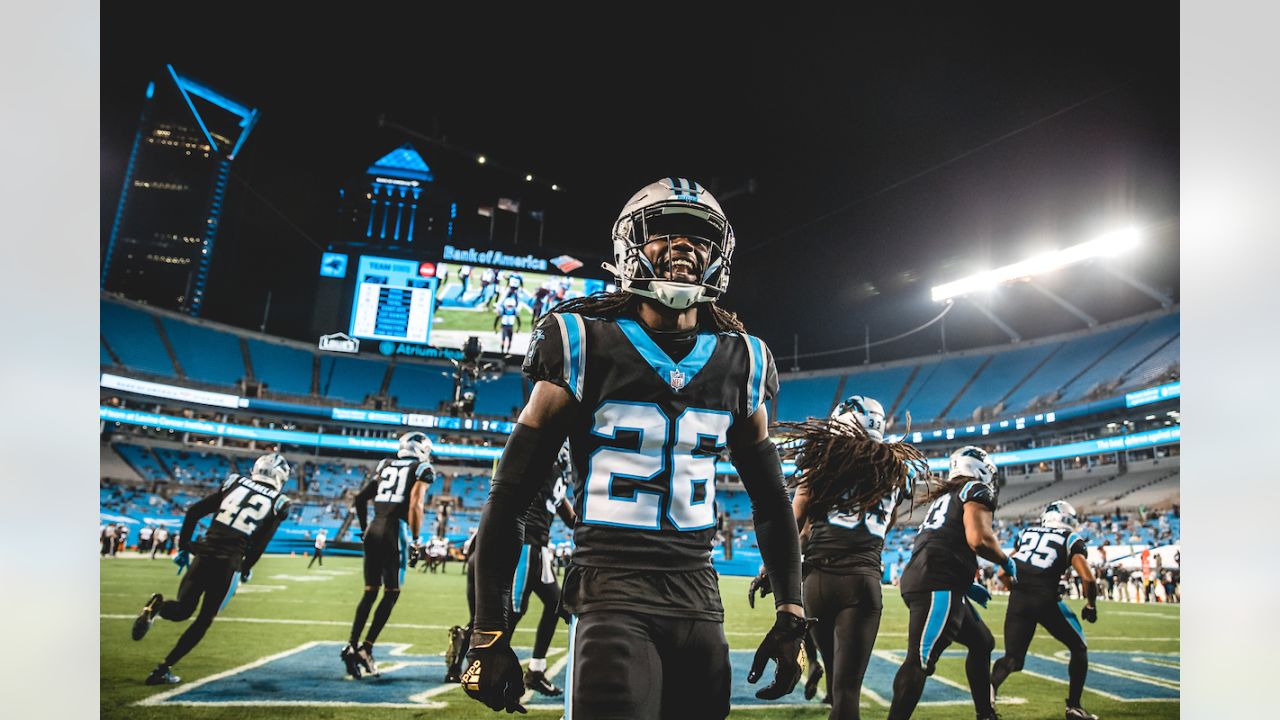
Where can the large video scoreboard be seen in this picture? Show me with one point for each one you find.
(428, 306)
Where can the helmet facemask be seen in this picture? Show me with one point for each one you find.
(666, 221)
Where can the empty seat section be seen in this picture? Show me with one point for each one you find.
(1154, 369)
(735, 503)
(206, 355)
(1145, 341)
(501, 396)
(807, 397)
(1074, 356)
(883, 385)
(935, 386)
(104, 358)
(284, 369)
(198, 468)
(350, 379)
(133, 336)
(997, 379)
(420, 386)
(142, 461)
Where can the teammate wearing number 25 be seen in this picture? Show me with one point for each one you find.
(649, 384)
(396, 489)
(249, 509)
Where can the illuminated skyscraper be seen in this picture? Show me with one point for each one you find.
(395, 203)
(162, 239)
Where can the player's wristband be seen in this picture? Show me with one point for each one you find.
(1010, 567)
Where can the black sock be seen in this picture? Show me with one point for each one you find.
(362, 614)
(1077, 669)
(977, 668)
(382, 615)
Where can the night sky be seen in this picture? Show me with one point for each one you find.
(887, 153)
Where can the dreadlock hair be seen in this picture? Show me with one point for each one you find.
(843, 469)
(947, 486)
(711, 317)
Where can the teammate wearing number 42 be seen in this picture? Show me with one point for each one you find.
(649, 384)
(249, 509)
(396, 489)
(1043, 555)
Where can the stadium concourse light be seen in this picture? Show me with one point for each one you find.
(1106, 246)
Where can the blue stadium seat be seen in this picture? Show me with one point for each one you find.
(1146, 340)
(501, 396)
(103, 357)
(803, 398)
(284, 369)
(350, 379)
(141, 459)
(206, 355)
(883, 385)
(420, 386)
(936, 385)
(1074, 356)
(1153, 369)
(196, 468)
(1005, 370)
(132, 334)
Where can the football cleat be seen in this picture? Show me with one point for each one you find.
(162, 676)
(365, 658)
(537, 681)
(811, 685)
(147, 616)
(454, 654)
(351, 658)
(1079, 713)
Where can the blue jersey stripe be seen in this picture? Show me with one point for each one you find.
(755, 378)
(939, 609)
(662, 363)
(522, 576)
(1073, 621)
(568, 674)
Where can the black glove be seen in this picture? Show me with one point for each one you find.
(758, 583)
(245, 574)
(493, 675)
(1089, 613)
(782, 645)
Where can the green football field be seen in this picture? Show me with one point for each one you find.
(273, 652)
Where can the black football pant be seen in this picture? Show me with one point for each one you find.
(386, 555)
(939, 618)
(630, 666)
(848, 609)
(1026, 611)
(529, 581)
(317, 555)
(210, 578)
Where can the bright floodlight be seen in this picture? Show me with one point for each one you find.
(1106, 246)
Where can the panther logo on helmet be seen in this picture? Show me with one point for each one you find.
(864, 411)
(662, 210)
(1060, 514)
(415, 444)
(972, 462)
(271, 469)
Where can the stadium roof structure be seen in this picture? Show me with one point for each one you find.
(403, 163)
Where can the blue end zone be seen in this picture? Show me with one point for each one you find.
(312, 674)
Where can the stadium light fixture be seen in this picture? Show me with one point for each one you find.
(1108, 245)
(528, 178)
(480, 159)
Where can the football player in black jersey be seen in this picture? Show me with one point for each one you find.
(396, 490)
(534, 574)
(249, 509)
(842, 550)
(649, 384)
(935, 585)
(1044, 553)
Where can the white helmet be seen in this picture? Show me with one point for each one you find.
(1060, 514)
(271, 469)
(865, 411)
(671, 207)
(415, 444)
(973, 462)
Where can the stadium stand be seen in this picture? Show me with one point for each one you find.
(143, 462)
(1004, 371)
(350, 379)
(1145, 340)
(282, 368)
(205, 354)
(801, 398)
(937, 384)
(884, 384)
(197, 468)
(421, 386)
(111, 465)
(1073, 358)
(133, 336)
(502, 397)
(104, 357)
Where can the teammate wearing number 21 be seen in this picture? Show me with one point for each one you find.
(249, 509)
(396, 489)
(649, 384)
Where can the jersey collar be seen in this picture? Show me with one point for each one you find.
(676, 374)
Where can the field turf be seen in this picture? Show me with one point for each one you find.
(289, 622)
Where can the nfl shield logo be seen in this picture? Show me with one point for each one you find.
(677, 379)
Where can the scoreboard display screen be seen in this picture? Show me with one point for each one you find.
(393, 300)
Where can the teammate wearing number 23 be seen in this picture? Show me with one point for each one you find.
(248, 511)
(396, 489)
(650, 385)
